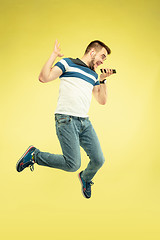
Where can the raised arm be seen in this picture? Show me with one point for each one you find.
(49, 73)
(100, 91)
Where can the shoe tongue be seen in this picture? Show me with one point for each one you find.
(89, 183)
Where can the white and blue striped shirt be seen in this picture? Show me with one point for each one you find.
(75, 91)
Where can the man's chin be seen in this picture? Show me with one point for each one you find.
(95, 66)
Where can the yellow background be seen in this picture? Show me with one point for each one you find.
(48, 204)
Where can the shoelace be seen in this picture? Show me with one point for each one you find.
(89, 184)
(31, 167)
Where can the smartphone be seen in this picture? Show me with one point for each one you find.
(114, 70)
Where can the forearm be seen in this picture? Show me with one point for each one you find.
(103, 94)
(47, 67)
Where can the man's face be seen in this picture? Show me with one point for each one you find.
(97, 58)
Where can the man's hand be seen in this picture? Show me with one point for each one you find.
(57, 49)
(49, 73)
(105, 73)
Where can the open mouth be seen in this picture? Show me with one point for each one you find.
(98, 63)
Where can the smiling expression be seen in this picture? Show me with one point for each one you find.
(97, 58)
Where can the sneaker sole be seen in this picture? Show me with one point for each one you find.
(29, 148)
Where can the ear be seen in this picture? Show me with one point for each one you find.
(92, 52)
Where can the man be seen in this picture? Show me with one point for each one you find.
(73, 127)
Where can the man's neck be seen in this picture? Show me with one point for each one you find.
(85, 60)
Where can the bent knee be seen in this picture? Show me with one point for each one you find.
(73, 167)
(99, 162)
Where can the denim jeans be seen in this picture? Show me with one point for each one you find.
(72, 133)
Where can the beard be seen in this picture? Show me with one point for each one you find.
(91, 64)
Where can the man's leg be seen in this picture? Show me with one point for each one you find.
(69, 141)
(90, 143)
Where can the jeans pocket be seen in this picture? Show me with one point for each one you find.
(63, 119)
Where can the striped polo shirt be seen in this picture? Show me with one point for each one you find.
(76, 85)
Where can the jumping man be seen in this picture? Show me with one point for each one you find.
(73, 126)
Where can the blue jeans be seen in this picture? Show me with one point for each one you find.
(72, 133)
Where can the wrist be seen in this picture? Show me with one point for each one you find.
(103, 81)
(54, 54)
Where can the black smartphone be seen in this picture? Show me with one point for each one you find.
(114, 70)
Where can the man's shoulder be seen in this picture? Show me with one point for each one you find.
(78, 64)
(75, 61)
(83, 66)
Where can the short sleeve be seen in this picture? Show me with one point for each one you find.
(97, 80)
(61, 65)
(97, 83)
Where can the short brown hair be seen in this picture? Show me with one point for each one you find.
(98, 45)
